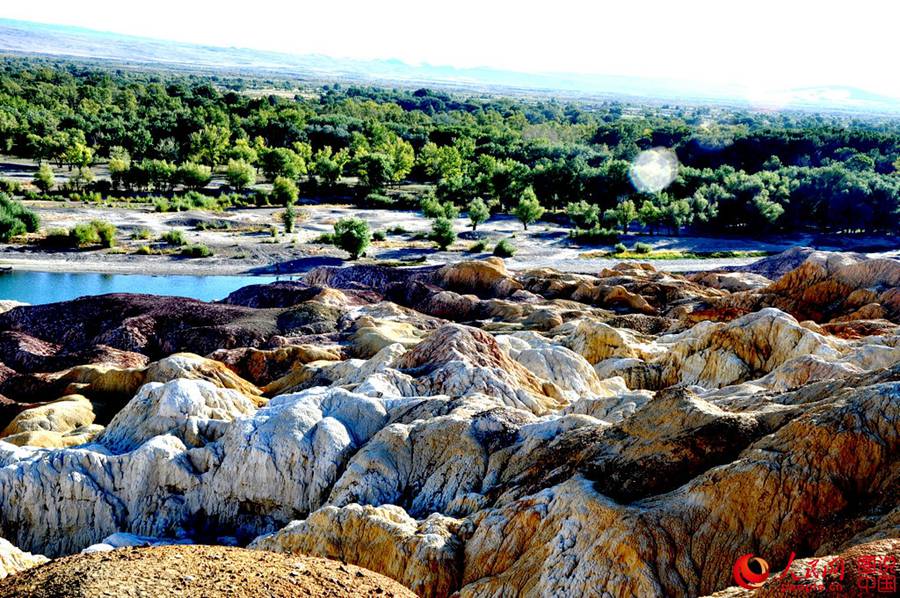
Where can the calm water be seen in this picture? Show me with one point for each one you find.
(48, 287)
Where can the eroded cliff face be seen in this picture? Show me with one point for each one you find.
(470, 430)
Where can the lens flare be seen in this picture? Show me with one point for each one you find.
(654, 169)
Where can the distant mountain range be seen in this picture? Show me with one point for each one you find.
(21, 37)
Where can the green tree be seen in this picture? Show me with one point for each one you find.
(403, 157)
(194, 176)
(240, 174)
(209, 144)
(119, 164)
(284, 191)
(353, 236)
(82, 177)
(478, 212)
(529, 209)
(160, 173)
(583, 214)
(283, 162)
(442, 232)
(375, 171)
(242, 150)
(43, 178)
(650, 215)
(626, 213)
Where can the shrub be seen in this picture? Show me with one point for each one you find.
(141, 234)
(58, 237)
(284, 191)
(10, 186)
(288, 217)
(478, 247)
(620, 248)
(194, 176)
(196, 250)
(144, 250)
(379, 235)
(240, 174)
(442, 233)
(432, 208)
(10, 227)
(643, 248)
(16, 219)
(95, 232)
(174, 237)
(397, 230)
(597, 235)
(323, 239)
(379, 200)
(353, 236)
(504, 249)
(43, 178)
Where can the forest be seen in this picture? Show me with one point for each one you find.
(739, 172)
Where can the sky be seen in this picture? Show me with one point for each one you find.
(759, 45)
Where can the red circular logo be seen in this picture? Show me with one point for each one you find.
(750, 572)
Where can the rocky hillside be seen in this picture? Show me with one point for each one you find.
(464, 429)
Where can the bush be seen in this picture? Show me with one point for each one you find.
(194, 176)
(478, 247)
(353, 236)
(323, 239)
(379, 235)
(643, 248)
(43, 178)
(174, 237)
(620, 248)
(95, 232)
(442, 233)
(432, 208)
(141, 234)
(379, 200)
(144, 250)
(10, 186)
(57, 237)
(197, 250)
(288, 218)
(596, 235)
(397, 230)
(16, 219)
(106, 231)
(505, 249)
(284, 191)
(240, 174)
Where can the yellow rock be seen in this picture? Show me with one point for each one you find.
(60, 416)
(371, 335)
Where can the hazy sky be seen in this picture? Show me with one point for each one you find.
(764, 44)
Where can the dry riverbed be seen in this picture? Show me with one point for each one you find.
(244, 243)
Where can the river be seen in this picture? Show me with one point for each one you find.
(50, 287)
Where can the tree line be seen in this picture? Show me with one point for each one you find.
(739, 172)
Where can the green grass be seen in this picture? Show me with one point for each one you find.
(663, 254)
